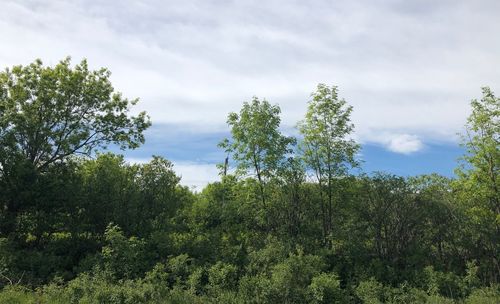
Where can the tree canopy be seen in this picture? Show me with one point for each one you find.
(257, 144)
(293, 224)
(326, 147)
(482, 141)
(50, 113)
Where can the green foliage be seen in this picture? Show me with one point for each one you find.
(488, 295)
(325, 288)
(81, 230)
(257, 144)
(286, 281)
(124, 258)
(482, 140)
(17, 295)
(370, 291)
(222, 276)
(326, 147)
(478, 185)
(405, 294)
(50, 113)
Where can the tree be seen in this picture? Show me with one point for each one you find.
(50, 113)
(482, 142)
(47, 115)
(326, 148)
(478, 185)
(394, 218)
(257, 144)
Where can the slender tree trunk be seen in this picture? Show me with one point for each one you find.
(323, 213)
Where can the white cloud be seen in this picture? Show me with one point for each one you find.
(137, 161)
(406, 67)
(194, 175)
(405, 144)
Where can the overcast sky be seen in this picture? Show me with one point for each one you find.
(409, 68)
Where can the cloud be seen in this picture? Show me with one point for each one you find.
(196, 175)
(405, 144)
(193, 174)
(137, 160)
(406, 67)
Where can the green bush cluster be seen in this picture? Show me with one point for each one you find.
(100, 230)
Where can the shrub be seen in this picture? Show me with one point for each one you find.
(325, 288)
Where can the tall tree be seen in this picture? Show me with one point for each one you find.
(326, 147)
(257, 144)
(479, 184)
(50, 113)
(482, 141)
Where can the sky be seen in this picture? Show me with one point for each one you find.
(409, 68)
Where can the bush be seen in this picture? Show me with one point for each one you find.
(325, 288)
(370, 292)
(17, 295)
(488, 295)
(222, 276)
(125, 257)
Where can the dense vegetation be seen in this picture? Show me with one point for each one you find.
(289, 221)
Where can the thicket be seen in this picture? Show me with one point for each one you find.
(288, 222)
